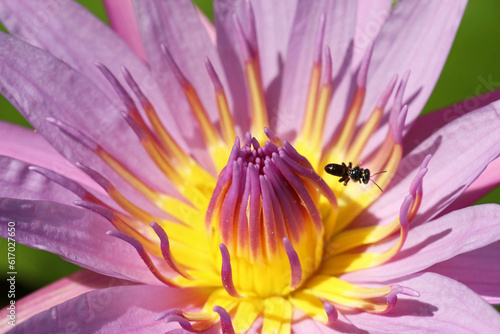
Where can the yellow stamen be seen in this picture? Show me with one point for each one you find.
(414, 206)
(348, 126)
(210, 134)
(356, 303)
(368, 128)
(190, 215)
(127, 175)
(316, 140)
(167, 142)
(330, 284)
(226, 119)
(351, 239)
(124, 203)
(257, 99)
(345, 263)
(310, 304)
(163, 163)
(310, 113)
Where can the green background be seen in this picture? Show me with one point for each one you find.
(474, 55)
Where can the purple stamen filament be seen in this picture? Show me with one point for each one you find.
(331, 313)
(165, 250)
(227, 273)
(295, 267)
(143, 254)
(225, 319)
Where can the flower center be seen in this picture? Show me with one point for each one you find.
(264, 211)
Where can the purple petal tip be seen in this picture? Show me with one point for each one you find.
(392, 297)
(106, 213)
(245, 48)
(331, 313)
(225, 320)
(186, 325)
(295, 266)
(213, 75)
(227, 272)
(382, 102)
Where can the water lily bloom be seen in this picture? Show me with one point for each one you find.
(186, 174)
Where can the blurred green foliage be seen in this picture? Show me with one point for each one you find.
(473, 58)
(206, 7)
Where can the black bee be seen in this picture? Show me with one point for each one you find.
(346, 173)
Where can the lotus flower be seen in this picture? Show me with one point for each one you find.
(187, 175)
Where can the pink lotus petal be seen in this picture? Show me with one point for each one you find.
(274, 23)
(27, 145)
(59, 292)
(478, 269)
(41, 92)
(372, 15)
(94, 43)
(17, 181)
(122, 19)
(121, 309)
(404, 45)
(486, 182)
(76, 235)
(339, 30)
(457, 161)
(444, 306)
(458, 232)
(428, 124)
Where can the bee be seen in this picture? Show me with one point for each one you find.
(346, 173)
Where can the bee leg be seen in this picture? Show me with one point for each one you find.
(344, 178)
(347, 180)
